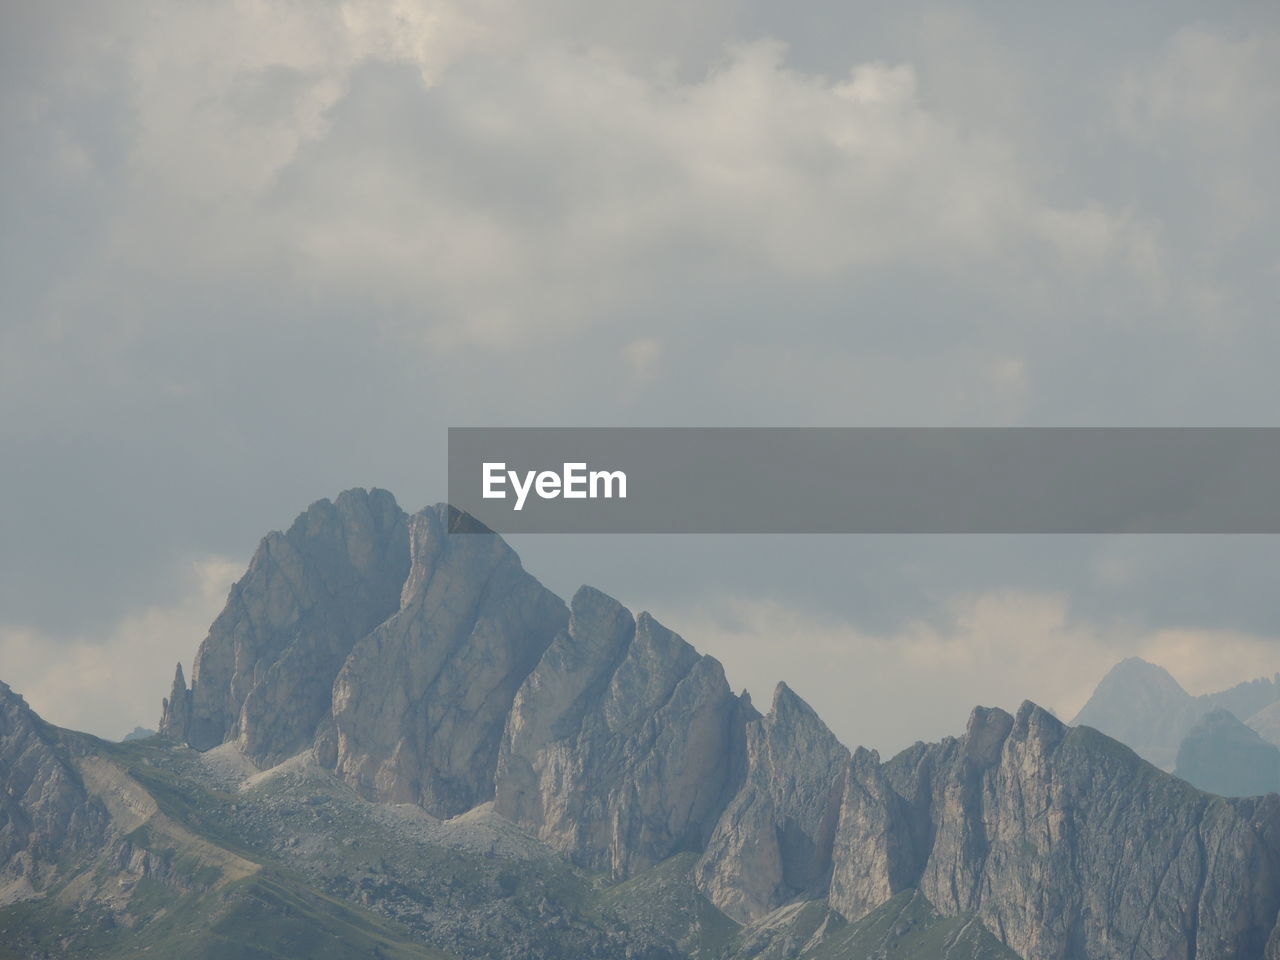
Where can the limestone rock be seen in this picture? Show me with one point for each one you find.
(773, 843)
(175, 711)
(421, 702)
(620, 745)
(264, 674)
(1065, 844)
(45, 812)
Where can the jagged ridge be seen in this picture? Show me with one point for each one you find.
(619, 745)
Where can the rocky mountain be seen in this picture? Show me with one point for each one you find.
(264, 675)
(1143, 706)
(104, 855)
(773, 843)
(393, 725)
(46, 813)
(420, 703)
(1222, 755)
(619, 746)
(1063, 842)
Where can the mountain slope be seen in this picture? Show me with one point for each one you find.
(264, 674)
(906, 927)
(620, 743)
(773, 843)
(106, 856)
(420, 704)
(1223, 756)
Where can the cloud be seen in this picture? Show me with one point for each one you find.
(109, 683)
(998, 648)
(643, 356)
(258, 252)
(411, 157)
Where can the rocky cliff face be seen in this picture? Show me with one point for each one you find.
(45, 811)
(420, 705)
(264, 675)
(620, 743)
(1063, 842)
(773, 843)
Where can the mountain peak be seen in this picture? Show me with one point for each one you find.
(784, 697)
(986, 732)
(1140, 704)
(1222, 755)
(1137, 670)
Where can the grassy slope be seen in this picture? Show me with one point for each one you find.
(665, 898)
(271, 914)
(909, 928)
(264, 917)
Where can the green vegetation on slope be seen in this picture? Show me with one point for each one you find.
(263, 917)
(909, 928)
(664, 898)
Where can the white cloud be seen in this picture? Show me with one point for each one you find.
(491, 191)
(107, 684)
(251, 208)
(995, 649)
(643, 356)
(1207, 106)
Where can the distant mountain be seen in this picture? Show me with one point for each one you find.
(396, 742)
(1223, 756)
(137, 733)
(1266, 723)
(1141, 705)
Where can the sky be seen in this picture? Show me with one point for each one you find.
(255, 253)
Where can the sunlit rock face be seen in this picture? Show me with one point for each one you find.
(264, 675)
(1063, 842)
(620, 745)
(773, 843)
(420, 705)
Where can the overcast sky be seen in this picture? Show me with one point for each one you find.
(255, 253)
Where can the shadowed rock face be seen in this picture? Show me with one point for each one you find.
(619, 747)
(420, 704)
(45, 812)
(264, 674)
(1223, 756)
(773, 843)
(1063, 842)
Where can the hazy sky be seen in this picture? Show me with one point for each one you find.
(255, 253)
